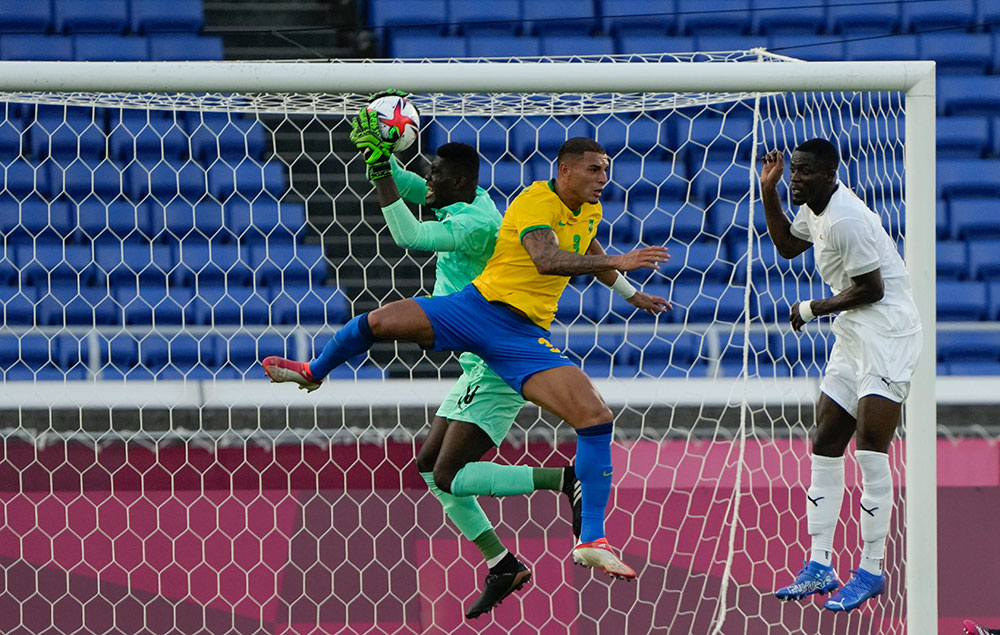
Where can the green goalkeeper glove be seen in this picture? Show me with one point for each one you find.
(367, 138)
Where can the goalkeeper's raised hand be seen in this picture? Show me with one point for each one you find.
(367, 138)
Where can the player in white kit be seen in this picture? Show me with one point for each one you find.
(867, 377)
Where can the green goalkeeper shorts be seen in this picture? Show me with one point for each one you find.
(480, 397)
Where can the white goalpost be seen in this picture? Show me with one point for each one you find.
(154, 475)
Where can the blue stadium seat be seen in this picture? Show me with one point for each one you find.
(72, 304)
(958, 52)
(72, 351)
(984, 259)
(56, 263)
(716, 138)
(638, 179)
(805, 352)
(505, 178)
(212, 263)
(47, 48)
(631, 43)
(772, 299)
(111, 222)
(729, 221)
(118, 352)
(265, 219)
(13, 139)
(697, 302)
(960, 95)
(28, 351)
(503, 46)
(881, 18)
(36, 219)
(492, 136)
(590, 304)
(244, 352)
(721, 180)
(304, 304)
(617, 223)
(432, 18)
(184, 47)
(735, 340)
(723, 17)
(942, 220)
(148, 140)
(286, 264)
(80, 180)
(181, 351)
(545, 136)
(638, 18)
(937, 14)
(622, 310)
(127, 263)
(768, 265)
(17, 303)
(719, 43)
(474, 18)
(952, 260)
(247, 181)
(963, 137)
(968, 178)
(405, 45)
(179, 219)
(626, 138)
(235, 304)
(993, 309)
(91, 16)
(227, 137)
(110, 48)
(775, 16)
(897, 47)
(25, 17)
(669, 219)
(697, 261)
(545, 17)
(21, 179)
(75, 133)
(155, 303)
(164, 181)
(812, 48)
(974, 218)
(968, 369)
(655, 350)
(148, 16)
(968, 346)
(568, 45)
(961, 300)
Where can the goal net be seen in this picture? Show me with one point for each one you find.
(164, 231)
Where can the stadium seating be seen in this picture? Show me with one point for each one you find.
(776, 16)
(149, 16)
(90, 16)
(484, 19)
(963, 137)
(939, 14)
(544, 17)
(723, 17)
(958, 52)
(882, 18)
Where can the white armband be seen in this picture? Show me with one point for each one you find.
(806, 311)
(623, 288)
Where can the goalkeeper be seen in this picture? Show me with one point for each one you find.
(546, 237)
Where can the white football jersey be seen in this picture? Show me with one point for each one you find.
(848, 241)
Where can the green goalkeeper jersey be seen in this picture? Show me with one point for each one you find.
(463, 235)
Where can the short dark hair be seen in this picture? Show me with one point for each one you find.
(462, 159)
(578, 146)
(824, 151)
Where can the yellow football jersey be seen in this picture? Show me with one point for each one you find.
(510, 275)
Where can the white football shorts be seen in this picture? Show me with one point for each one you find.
(866, 362)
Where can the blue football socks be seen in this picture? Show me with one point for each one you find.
(593, 469)
(353, 339)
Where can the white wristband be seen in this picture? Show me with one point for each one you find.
(806, 311)
(623, 288)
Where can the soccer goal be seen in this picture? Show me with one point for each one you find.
(167, 225)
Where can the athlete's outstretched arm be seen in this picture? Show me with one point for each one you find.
(542, 246)
(648, 302)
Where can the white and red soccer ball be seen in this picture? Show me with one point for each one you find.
(397, 113)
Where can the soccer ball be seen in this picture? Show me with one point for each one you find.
(400, 114)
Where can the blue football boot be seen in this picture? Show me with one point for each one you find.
(813, 578)
(859, 589)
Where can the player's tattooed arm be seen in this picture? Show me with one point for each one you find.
(542, 246)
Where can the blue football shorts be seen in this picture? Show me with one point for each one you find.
(514, 347)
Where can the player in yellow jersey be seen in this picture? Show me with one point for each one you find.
(546, 237)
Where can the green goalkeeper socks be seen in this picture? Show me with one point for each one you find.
(484, 478)
(464, 512)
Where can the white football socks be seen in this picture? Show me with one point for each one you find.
(876, 507)
(825, 497)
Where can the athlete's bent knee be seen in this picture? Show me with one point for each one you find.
(425, 460)
(443, 477)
